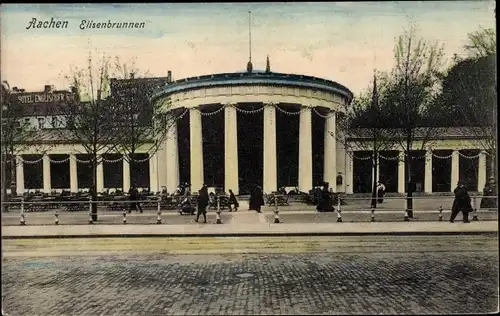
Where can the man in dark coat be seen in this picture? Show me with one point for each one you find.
(259, 199)
(325, 203)
(461, 203)
(134, 196)
(202, 203)
(233, 201)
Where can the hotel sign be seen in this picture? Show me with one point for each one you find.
(45, 98)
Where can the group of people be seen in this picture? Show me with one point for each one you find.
(327, 199)
(204, 199)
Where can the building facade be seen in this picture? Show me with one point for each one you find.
(268, 103)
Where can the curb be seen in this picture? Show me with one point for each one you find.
(333, 234)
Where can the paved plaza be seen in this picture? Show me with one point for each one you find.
(271, 276)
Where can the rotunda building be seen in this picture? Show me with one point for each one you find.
(237, 120)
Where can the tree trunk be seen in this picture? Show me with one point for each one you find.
(93, 191)
(131, 169)
(409, 184)
(374, 180)
(13, 184)
(4, 185)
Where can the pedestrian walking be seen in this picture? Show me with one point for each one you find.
(326, 202)
(380, 192)
(233, 201)
(461, 203)
(134, 197)
(202, 204)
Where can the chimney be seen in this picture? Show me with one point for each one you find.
(131, 75)
(169, 76)
(73, 90)
(47, 88)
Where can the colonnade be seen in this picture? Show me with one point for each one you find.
(73, 174)
(169, 176)
(454, 174)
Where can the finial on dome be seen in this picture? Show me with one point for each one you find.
(249, 65)
(268, 65)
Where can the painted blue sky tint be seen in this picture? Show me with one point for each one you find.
(338, 41)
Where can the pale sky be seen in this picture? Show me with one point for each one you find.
(342, 41)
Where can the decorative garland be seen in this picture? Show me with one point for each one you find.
(275, 105)
(83, 161)
(422, 157)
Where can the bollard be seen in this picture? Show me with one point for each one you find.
(158, 219)
(339, 216)
(373, 213)
(23, 220)
(91, 221)
(406, 216)
(56, 218)
(276, 211)
(124, 217)
(474, 212)
(219, 221)
(440, 213)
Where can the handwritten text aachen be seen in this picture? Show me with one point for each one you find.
(84, 24)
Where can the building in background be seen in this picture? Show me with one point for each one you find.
(238, 130)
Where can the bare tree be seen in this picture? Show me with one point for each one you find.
(90, 122)
(414, 82)
(143, 124)
(365, 128)
(17, 136)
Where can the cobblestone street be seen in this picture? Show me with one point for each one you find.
(289, 275)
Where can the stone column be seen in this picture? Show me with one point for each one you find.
(270, 172)
(19, 175)
(349, 179)
(401, 172)
(126, 175)
(305, 150)
(231, 178)
(73, 174)
(330, 151)
(196, 144)
(455, 170)
(481, 176)
(100, 175)
(161, 158)
(47, 185)
(172, 159)
(377, 168)
(428, 172)
(153, 173)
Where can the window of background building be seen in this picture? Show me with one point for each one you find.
(41, 122)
